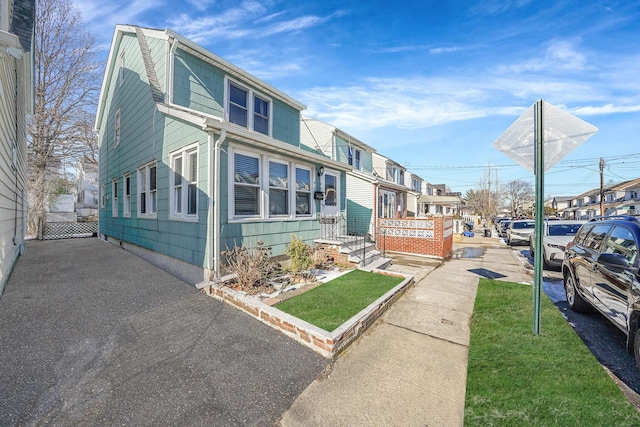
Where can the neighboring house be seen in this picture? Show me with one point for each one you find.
(360, 181)
(391, 192)
(197, 155)
(437, 199)
(415, 185)
(87, 188)
(16, 102)
(560, 204)
(619, 199)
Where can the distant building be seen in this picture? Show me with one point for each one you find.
(87, 190)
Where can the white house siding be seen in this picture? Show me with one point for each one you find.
(317, 135)
(360, 204)
(12, 164)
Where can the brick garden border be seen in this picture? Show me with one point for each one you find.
(328, 344)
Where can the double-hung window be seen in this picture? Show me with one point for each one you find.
(416, 185)
(184, 183)
(354, 157)
(114, 200)
(248, 109)
(260, 115)
(278, 188)
(126, 206)
(246, 179)
(303, 191)
(147, 195)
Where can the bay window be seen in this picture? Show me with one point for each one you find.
(263, 186)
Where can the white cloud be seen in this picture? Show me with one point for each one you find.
(606, 109)
(559, 55)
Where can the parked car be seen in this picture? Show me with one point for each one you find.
(600, 271)
(556, 235)
(503, 227)
(519, 231)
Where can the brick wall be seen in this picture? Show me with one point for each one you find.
(432, 236)
(328, 344)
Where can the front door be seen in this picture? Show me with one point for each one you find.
(330, 206)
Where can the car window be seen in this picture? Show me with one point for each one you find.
(582, 233)
(526, 224)
(621, 241)
(563, 229)
(595, 238)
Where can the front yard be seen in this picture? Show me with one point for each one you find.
(330, 305)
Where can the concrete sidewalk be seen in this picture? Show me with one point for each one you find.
(411, 368)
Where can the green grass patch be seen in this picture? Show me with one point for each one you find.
(333, 303)
(516, 378)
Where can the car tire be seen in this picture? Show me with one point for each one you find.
(636, 348)
(574, 300)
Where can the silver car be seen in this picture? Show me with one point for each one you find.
(518, 231)
(557, 233)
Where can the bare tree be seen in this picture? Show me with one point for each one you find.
(519, 195)
(67, 83)
(486, 199)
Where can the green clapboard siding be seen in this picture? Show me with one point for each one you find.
(147, 135)
(198, 85)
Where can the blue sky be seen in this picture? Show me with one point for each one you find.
(431, 84)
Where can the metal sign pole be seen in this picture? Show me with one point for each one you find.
(539, 212)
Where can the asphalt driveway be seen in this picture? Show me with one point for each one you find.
(92, 335)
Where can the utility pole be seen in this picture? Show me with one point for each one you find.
(601, 186)
(489, 194)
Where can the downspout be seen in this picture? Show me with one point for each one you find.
(14, 162)
(171, 64)
(216, 204)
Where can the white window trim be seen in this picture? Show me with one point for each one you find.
(295, 189)
(103, 197)
(126, 198)
(147, 193)
(183, 153)
(287, 189)
(355, 159)
(117, 129)
(250, 105)
(114, 198)
(263, 194)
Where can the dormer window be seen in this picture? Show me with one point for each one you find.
(248, 109)
(354, 158)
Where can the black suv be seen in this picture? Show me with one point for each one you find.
(600, 271)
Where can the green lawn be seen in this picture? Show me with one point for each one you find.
(333, 303)
(516, 378)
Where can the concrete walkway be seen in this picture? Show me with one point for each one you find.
(411, 368)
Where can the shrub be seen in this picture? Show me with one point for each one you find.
(300, 254)
(252, 266)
